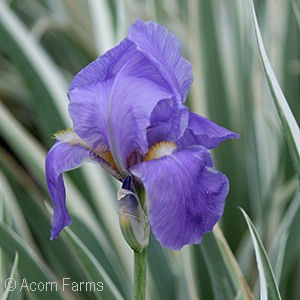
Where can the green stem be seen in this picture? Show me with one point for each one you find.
(140, 263)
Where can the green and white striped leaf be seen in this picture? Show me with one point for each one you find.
(11, 280)
(30, 265)
(268, 286)
(290, 126)
(227, 279)
(92, 268)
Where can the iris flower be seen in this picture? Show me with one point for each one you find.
(129, 116)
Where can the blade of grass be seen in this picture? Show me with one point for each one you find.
(92, 268)
(33, 58)
(290, 228)
(268, 285)
(102, 24)
(31, 267)
(226, 277)
(8, 291)
(109, 261)
(287, 204)
(9, 199)
(161, 269)
(187, 285)
(296, 10)
(290, 126)
(24, 145)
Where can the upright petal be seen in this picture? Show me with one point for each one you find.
(89, 92)
(136, 90)
(105, 66)
(163, 49)
(186, 195)
(168, 122)
(88, 110)
(201, 131)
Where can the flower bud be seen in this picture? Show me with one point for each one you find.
(133, 220)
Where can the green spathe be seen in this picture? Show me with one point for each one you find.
(133, 220)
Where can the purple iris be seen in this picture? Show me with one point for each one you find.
(128, 116)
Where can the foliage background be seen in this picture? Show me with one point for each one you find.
(44, 43)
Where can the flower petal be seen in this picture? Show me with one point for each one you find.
(89, 92)
(105, 66)
(186, 196)
(88, 110)
(136, 90)
(163, 49)
(167, 122)
(62, 157)
(201, 131)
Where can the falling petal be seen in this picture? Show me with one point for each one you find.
(186, 195)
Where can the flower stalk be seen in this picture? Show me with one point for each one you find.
(135, 229)
(140, 259)
(140, 269)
